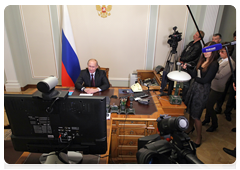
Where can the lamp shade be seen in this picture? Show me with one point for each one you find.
(179, 76)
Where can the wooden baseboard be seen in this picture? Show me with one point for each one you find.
(34, 86)
(28, 86)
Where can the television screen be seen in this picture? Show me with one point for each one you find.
(73, 123)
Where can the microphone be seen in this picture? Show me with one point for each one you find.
(216, 47)
(179, 63)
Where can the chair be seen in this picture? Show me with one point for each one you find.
(107, 72)
(105, 69)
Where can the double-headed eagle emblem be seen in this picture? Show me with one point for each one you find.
(104, 11)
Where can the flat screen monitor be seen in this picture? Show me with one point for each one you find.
(73, 123)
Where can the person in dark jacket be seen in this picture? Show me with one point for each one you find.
(92, 80)
(191, 56)
(231, 102)
(193, 50)
(217, 86)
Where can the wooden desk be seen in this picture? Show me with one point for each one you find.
(170, 109)
(144, 74)
(126, 129)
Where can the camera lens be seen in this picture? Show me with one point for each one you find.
(152, 161)
(148, 159)
(147, 156)
(182, 123)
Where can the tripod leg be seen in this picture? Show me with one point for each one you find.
(163, 83)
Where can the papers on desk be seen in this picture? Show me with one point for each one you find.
(84, 94)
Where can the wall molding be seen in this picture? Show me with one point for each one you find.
(26, 40)
(210, 20)
(29, 53)
(12, 84)
(152, 36)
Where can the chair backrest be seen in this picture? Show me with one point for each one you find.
(107, 73)
(105, 69)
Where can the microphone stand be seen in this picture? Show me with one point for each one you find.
(195, 24)
(230, 63)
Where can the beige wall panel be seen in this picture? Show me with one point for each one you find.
(169, 16)
(39, 40)
(118, 41)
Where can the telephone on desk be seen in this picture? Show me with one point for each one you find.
(136, 87)
(147, 80)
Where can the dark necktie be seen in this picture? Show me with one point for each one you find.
(92, 81)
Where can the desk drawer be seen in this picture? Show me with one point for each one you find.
(127, 151)
(152, 124)
(128, 131)
(125, 135)
(127, 142)
(132, 122)
(129, 123)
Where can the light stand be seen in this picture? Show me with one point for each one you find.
(179, 76)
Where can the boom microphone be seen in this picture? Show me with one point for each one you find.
(179, 63)
(216, 47)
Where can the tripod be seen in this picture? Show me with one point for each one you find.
(169, 67)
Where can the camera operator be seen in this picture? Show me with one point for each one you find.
(191, 56)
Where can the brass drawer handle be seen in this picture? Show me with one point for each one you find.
(131, 132)
(131, 142)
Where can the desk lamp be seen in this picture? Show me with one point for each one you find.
(178, 76)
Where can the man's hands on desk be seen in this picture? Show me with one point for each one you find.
(89, 90)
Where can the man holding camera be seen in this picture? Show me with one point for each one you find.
(191, 56)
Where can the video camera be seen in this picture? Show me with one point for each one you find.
(174, 39)
(176, 148)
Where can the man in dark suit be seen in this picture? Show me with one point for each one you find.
(191, 55)
(92, 80)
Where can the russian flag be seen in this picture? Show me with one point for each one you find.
(70, 64)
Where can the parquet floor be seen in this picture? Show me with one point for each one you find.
(211, 150)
